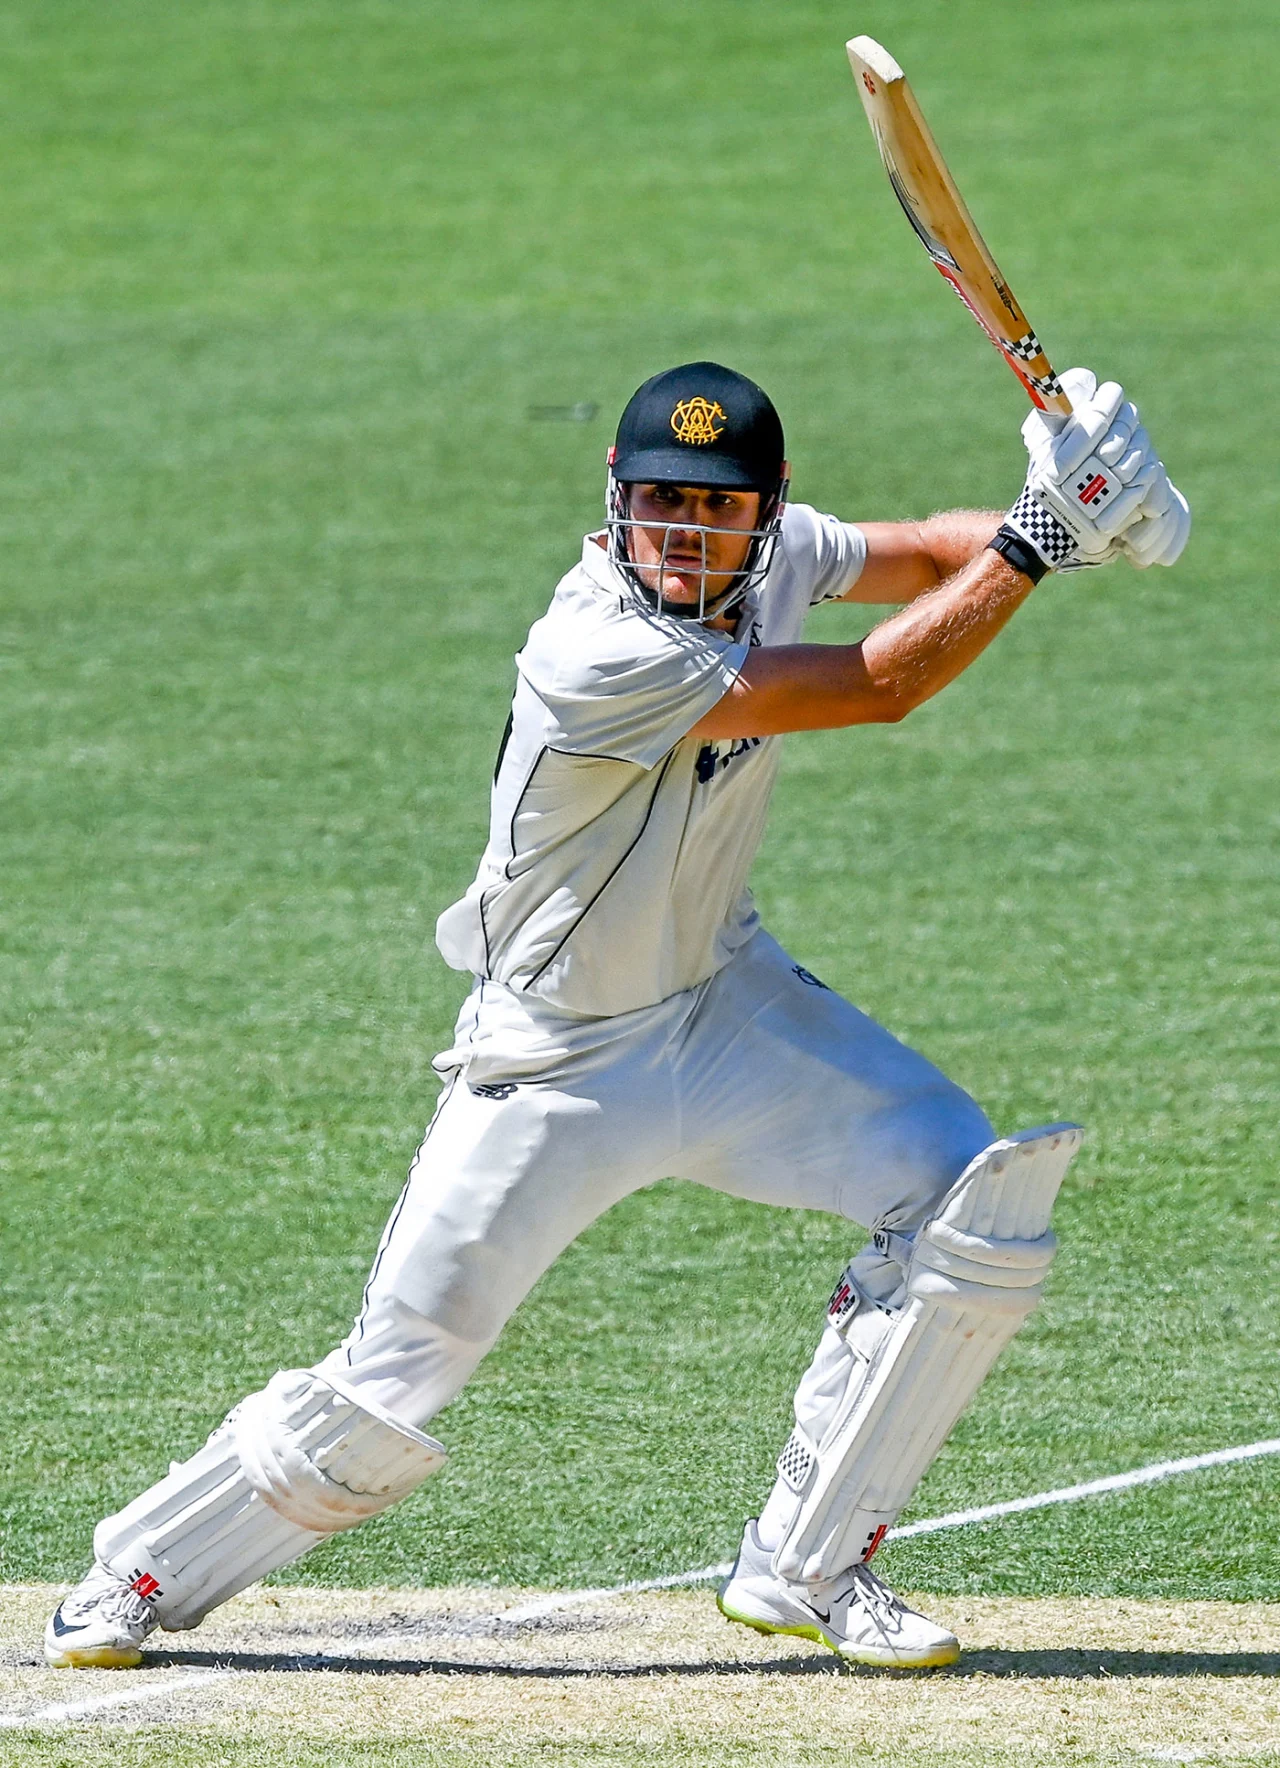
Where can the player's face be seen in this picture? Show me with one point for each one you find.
(680, 511)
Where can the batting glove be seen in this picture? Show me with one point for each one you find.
(1160, 532)
(1150, 519)
(1096, 489)
(1073, 503)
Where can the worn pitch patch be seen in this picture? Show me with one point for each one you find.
(1169, 1681)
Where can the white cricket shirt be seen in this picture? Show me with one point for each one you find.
(616, 868)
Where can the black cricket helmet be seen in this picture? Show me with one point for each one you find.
(699, 424)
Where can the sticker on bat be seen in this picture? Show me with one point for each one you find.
(934, 246)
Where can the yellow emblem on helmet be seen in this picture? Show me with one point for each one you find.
(694, 420)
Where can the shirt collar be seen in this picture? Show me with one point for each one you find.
(598, 565)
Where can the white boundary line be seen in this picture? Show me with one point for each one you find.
(1093, 1488)
(65, 1712)
(70, 1711)
(954, 1519)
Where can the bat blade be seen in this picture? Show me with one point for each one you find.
(944, 226)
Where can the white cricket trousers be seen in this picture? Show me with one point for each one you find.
(761, 1082)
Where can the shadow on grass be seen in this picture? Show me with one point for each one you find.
(1091, 1666)
(409, 1666)
(1079, 1666)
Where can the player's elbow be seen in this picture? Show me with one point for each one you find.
(891, 704)
(875, 704)
(869, 700)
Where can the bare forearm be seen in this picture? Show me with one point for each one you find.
(914, 654)
(901, 663)
(953, 537)
(907, 559)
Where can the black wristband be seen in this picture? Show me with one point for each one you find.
(1019, 551)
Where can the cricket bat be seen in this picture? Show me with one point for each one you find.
(936, 210)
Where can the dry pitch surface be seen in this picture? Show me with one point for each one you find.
(1052, 1680)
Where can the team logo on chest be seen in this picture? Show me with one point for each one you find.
(694, 420)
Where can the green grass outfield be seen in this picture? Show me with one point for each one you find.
(281, 284)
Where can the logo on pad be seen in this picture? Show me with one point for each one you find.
(873, 1541)
(694, 420)
(846, 1301)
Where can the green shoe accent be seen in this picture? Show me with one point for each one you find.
(800, 1632)
(96, 1657)
(866, 1655)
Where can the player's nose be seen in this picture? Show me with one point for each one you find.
(683, 533)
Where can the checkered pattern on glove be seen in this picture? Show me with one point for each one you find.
(1042, 530)
(1096, 489)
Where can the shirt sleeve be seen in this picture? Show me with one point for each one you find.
(636, 691)
(828, 553)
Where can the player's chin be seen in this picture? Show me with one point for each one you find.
(675, 586)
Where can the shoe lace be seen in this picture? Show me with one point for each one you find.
(880, 1601)
(123, 1604)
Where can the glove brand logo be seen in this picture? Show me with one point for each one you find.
(1093, 489)
(694, 420)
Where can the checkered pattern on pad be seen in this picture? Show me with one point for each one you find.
(795, 1462)
(1042, 528)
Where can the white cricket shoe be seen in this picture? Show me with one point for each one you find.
(855, 1614)
(100, 1626)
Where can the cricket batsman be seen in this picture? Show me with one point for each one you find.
(631, 1020)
